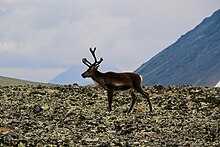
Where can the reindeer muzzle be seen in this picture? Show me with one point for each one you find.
(83, 75)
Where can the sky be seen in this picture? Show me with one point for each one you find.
(42, 38)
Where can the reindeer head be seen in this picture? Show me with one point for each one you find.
(92, 66)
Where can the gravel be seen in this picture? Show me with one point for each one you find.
(73, 115)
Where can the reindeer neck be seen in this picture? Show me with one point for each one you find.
(98, 77)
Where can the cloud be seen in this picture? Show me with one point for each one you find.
(8, 46)
(4, 5)
(15, 48)
(57, 34)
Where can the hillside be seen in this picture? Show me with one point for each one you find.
(193, 59)
(6, 81)
(77, 116)
(73, 75)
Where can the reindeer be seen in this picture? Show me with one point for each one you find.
(112, 81)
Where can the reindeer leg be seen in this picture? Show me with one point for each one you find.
(146, 95)
(148, 99)
(134, 98)
(110, 97)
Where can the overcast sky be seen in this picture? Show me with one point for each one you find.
(41, 38)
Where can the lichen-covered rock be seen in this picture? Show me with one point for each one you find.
(74, 115)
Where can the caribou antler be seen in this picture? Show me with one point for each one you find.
(89, 64)
(86, 62)
(94, 56)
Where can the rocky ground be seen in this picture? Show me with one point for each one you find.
(73, 115)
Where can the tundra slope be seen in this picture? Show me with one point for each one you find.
(73, 115)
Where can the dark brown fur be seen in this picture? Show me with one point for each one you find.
(112, 81)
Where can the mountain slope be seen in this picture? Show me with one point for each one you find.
(6, 81)
(70, 76)
(192, 59)
(73, 75)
